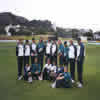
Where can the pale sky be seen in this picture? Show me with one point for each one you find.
(65, 13)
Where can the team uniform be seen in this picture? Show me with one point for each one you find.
(54, 53)
(66, 82)
(20, 58)
(72, 56)
(66, 57)
(46, 71)
(40, 51)
(33, 52)
(61, 54)
(48, 51)
(26, 54)
(36, 68)
(27, 70)
(80, 61)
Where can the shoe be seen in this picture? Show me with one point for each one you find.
(79, 85)
(53, 85)
(40, 78)
(73, 81)
(20, 77)
(30, 79)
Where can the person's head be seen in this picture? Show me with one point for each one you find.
(65, 69)
(41, 39)
(27, 41)
(59, 42)
(79, 40)
(71, 42)
(65, 43)
(36, 60)
(48, 61)
(33, 40)
(20, 41)
(27, 65)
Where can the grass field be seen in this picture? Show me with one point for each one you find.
(11, 89)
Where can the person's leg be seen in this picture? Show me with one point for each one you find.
(58, 83)
(41, 61)
(72, 68)
(27, 59)
(61, 60)
(20, 64)
(80, 71)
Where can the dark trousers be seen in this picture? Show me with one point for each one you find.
(40, 60)
(61, 60)
(62, 84)
(72, 68)
(54, 59)
(80, 70)
(45, 74)
(20, 61)
(33, 59)
(35, 76)
(26, 60)
(48, 56)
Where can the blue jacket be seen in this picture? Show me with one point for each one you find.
(35, 67)
(82, 50)
(61, 48)
(40, 46)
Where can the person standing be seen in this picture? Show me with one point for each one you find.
(40, 51)
(80, 61)
(33, 51)
(60, 53)
(20, 58)
(26, 53)
(48, 50)
(66, 56)
(72, 57)
(54, 52)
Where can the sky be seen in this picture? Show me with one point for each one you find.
(64, 13)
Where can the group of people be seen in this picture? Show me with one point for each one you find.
(50, 60)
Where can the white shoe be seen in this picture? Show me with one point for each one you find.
(53, 85)
(30, 79)
(20, 77)
(73, 81)
(79, 85)
(40, 78)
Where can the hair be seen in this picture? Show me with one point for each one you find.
(65, 42)
(79, 39)
(33, 38)
(27, 41)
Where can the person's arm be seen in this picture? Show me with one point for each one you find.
(60, 78)
(39, 68)
(17, 50)
(81, 51)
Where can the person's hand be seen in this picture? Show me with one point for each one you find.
(32, 54)
(36, 72)
(29, 73)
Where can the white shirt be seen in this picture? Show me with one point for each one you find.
(34, 46)
(53, 48)
(20, 50)
(78, 50)
(48, 47)
(48, 66)
(53, 68)
(28, 68)
(71, 52)
(27, 50)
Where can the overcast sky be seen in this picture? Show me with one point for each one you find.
(65, 13)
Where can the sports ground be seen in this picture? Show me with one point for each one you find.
(12, 89)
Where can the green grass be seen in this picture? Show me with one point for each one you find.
(11, 89)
